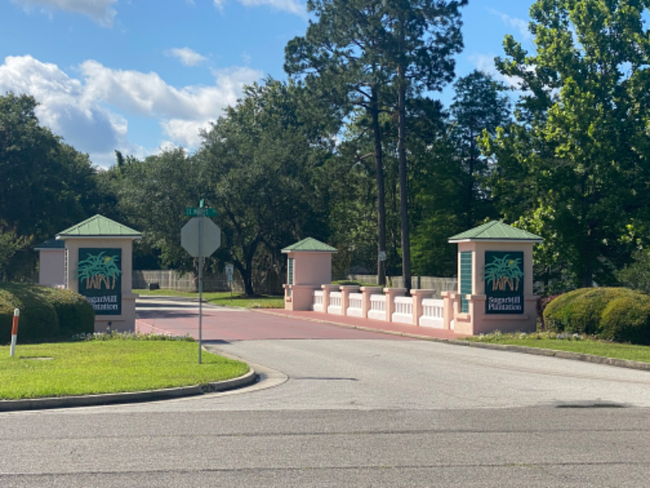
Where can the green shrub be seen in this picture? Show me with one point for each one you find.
(627, 319)
(38, 319)
(617, 314)
(351, 283)
(75, 313)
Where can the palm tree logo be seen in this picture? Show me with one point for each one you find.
(503, 273)
(99, 270)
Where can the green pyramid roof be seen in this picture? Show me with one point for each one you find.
(495, 231)
(99, 226)
(309, 245)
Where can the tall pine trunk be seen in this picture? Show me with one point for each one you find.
(381, 194)
(403, 190)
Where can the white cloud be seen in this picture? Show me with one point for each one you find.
(520, 24)
(485, 63)
(147, 95)
(98, 10)
(88, 112)
(291, 6)
(187, 56)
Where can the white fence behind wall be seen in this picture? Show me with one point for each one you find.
(318, 301)
(336, 299)
(432, 313)
(403, 310)
(377, 307)
(355, 305)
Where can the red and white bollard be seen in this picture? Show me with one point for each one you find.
(14, 332)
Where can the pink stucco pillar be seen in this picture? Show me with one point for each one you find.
(391, 293)
(345, 296)
(367, 292)
(327, 289)
(418, 296)
(449, 308)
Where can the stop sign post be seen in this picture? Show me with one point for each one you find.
(200, 237)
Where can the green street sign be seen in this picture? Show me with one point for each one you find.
(197, 212)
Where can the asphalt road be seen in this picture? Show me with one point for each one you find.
(371, 412)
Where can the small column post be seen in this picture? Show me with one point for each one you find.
(391, 293)
(345, 296)
(367, 292)
(327, 289)
(418, 296)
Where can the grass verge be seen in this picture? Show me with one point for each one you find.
(223, 298)
(573, 343)
(108, 366)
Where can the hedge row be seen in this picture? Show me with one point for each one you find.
(616, 314)
(45, 313)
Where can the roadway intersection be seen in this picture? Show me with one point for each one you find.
(343, 407)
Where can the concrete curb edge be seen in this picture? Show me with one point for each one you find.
(620, 363)
(127, 397)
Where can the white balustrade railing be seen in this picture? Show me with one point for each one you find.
(336, 298)
(355, 304)
(377, 307)
(403, 310)
(317, 305)
(432, 313)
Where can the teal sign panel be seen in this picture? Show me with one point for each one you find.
(504, 282)
(100, 279)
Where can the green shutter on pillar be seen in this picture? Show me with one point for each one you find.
(290, 272)
(465, 279)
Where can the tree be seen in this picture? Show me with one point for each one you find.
(339, 59)
(259, 159)
(423, 36)
(479, 104)
(46, 185)
(576, 162)
(407, 45)
(153, 195)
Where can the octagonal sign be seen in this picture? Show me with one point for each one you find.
(190, 237)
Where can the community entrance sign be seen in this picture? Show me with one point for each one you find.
(98, 264)
(504, 282)
(495, 281)
(99, 272)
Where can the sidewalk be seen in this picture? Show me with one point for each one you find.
(382, 326)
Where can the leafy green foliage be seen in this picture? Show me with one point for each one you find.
(46, 185)
(260, 160)
(38, 319)
(74, 313)
(45, 313)
(153, 195)
(637, 274)
(575, 164)
(617, 314)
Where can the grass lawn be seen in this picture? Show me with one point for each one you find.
(223, 298)
(582, 346)
(110, 366)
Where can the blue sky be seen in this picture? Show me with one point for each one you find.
(135, 76)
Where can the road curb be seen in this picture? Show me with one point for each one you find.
(575, 356)
(619, 363)
(127, 397)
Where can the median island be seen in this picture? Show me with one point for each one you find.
(109, 363)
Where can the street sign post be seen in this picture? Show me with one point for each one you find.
(198, 212)
(230, 269)
(200, 237)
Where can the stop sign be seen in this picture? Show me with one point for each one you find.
(190, 237)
